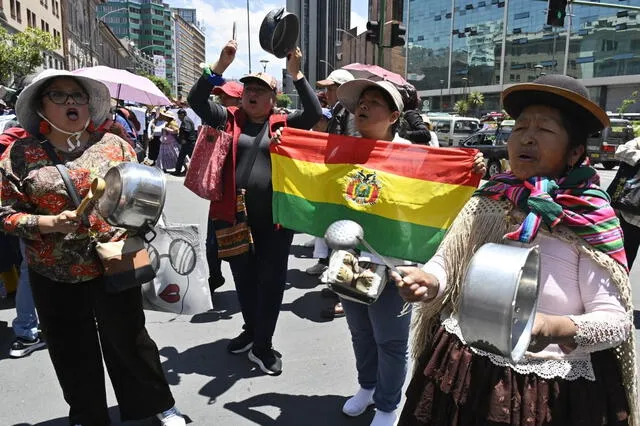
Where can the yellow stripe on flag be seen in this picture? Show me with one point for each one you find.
(400, 198)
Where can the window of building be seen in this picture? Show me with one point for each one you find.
(31, 19)
(521, 15)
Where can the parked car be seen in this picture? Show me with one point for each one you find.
(601, 146)
(493, 145)
(452, 130)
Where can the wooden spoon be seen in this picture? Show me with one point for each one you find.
(97, 189)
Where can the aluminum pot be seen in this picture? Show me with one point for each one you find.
(499, 299)
(134, 196)
(279, 32)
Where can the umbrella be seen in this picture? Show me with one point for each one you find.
(374, 72)
(126, 86)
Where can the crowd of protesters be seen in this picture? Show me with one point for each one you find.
(546, 146)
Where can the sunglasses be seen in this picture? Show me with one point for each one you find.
(182, 256)
(60, 98)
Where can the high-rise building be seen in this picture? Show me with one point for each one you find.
(321, 24)
(190, 49)
(18, 15)
(356, 48)
(149, 24)
(458, 46)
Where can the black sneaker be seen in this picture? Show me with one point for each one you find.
(267, 360)
(22, 347)
(240, 344)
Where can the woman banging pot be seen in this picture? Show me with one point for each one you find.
(83, 324)
(580, 364)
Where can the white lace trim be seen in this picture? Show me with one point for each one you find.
(598, 331)
(567, 369)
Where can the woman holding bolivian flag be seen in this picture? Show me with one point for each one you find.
(379, 334)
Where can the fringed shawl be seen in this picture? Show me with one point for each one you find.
(483, 220)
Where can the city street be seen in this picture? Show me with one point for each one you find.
(211, 386)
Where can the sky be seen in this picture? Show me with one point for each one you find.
(218, 17)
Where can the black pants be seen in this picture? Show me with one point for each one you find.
(154, 148)
(185, 149)
(216, 279)
(631, 240)
(260, 278)
(82, 323)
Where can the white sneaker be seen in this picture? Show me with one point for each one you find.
(383, 418)
(171, 417)
(358, 403)
(316, 269)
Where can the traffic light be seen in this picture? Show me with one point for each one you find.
(373, 32)
(398, 32)
(556, 11)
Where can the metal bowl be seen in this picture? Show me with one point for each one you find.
(499, 299)
(134, 196)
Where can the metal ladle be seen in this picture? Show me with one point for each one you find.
(347, 234)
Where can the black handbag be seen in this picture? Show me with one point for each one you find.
(624, 189)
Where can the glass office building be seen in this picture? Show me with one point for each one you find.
(459, 46)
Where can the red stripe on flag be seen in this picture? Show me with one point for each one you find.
(445, 165)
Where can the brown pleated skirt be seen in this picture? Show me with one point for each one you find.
(452, 386)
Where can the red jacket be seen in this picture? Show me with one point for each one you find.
(225, 209)
(11, 135)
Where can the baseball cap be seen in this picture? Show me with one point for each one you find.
(230, 88)
(261, 78)
(336, 77)
(349, 93)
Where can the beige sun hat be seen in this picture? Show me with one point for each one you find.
(349, 93)
(28, 104)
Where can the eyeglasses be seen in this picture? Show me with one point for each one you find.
(60, 98)
(182, 256)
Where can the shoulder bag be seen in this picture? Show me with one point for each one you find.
(126, 263)
(236, 239)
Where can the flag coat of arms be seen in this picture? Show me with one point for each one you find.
(404, 196)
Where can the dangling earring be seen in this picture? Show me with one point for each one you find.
(91, 127)
(45, 128)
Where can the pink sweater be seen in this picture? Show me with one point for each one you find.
(572, 285)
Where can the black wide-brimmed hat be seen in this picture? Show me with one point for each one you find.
(558, 91)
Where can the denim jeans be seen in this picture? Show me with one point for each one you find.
(379, 340)
(25, 324)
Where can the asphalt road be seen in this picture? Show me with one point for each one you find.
(210, 386)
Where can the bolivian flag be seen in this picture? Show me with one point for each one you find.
(404, 196)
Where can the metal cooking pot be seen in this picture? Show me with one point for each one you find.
(499, 299)
(279, 32)
(134, 196)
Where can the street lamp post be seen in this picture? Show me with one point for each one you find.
(441, 87)
(101, 17)
(327, 64)
(352, 45)
(465, 88)
(264, 63)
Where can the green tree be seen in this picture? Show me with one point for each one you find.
(21, 53)
(626, 104)
(283, 100)
(475, 100)
(461, 107)
(162, 84)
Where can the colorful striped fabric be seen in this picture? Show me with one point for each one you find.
(404, 196)
(575, 201)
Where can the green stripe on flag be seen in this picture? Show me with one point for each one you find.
(389, 237)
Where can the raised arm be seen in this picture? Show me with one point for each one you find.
(210, 112)
(311, 108)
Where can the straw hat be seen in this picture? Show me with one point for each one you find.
(558, 91)
(28, 103)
